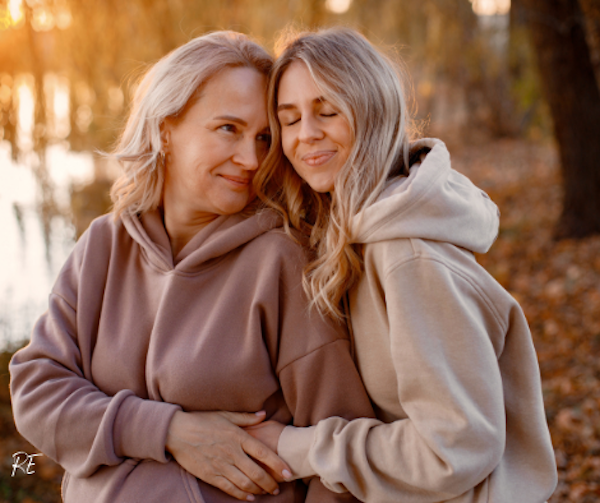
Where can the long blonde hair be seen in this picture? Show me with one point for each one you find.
(367, 88)
(166, 90)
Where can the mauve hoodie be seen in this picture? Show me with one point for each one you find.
(131, 336)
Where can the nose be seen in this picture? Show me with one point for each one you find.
(246, 154)
(309, 130)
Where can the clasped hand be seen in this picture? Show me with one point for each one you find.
(213, 447)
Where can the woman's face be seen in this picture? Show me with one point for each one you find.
(215, 147)
(316, 137)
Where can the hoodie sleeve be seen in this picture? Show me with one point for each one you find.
(56, 405)
(448, 384)
(319, 385)
(315, 368)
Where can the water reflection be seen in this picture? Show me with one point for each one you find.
(37, 192)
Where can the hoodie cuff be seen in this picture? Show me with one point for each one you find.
(293, 447)
(141, 428)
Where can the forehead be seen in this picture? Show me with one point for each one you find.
(237, 91)
(297, 84)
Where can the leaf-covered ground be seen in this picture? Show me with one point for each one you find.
(557, 283)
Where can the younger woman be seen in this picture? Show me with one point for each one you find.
(444, 351)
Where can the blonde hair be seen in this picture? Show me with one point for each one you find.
(167, 90)
(367, 88)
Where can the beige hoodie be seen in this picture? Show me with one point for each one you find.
(445, 354)
(131, 336)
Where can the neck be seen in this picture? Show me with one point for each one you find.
(182, 224)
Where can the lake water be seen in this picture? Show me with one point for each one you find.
(29, 265)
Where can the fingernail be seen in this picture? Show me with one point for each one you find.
(286, 474)
(261, 413)
(276, 492)
(250, 497)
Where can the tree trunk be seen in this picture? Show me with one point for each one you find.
(557, 30)
(591, 11)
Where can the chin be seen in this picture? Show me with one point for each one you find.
(321, 186)
(233, 207)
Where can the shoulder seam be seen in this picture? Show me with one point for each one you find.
(478, 290)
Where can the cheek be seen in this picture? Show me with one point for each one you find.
(286, 144)
(344, 133)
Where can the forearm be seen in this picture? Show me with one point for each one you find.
(66, 416)
(385, 462)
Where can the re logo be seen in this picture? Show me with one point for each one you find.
(23, 462)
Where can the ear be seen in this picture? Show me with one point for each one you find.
(165, 135)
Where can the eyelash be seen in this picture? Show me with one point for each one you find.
(232, 129)
(333, 114)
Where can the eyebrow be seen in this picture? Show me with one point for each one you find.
(231, 118)
(290, 106)
(285, 106)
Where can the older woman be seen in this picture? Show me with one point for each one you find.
(444, 351)
(183, 300)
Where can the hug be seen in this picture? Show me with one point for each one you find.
(283, 304)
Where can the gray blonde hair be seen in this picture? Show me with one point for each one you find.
(367, 88)
(171, 86)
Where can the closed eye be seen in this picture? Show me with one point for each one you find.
(333, 114)
(287, 118)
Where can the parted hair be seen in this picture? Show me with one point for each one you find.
(168, 89)
(367, 88)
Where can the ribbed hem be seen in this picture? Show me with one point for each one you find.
(141, 428)
(293, 447)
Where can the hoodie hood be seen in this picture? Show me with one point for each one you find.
(434, 202)
(221, 236)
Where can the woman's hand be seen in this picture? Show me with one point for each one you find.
(268, 433)
(212, 447)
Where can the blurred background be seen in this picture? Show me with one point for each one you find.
(512, 89)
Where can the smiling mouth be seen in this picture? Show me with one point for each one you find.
(318, 158)
(238, 181)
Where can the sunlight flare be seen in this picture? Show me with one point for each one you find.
(43, 19)
(15, 8)
(490, 7)
(26, 111)
(338, 6)
(63, 17)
